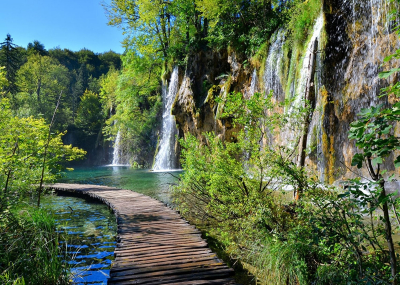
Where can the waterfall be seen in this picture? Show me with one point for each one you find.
(117, 156)
(371, 39)
(273, 66)
(253, 85)
(306, 70)
(166, 158)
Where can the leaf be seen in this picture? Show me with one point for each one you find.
(388, 58)
(397, 162)
(346, 194)
(357, 160)
(387, 129)
(377, 160)
(386, 74)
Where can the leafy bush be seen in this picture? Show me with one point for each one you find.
(236, 189)
(303, 15)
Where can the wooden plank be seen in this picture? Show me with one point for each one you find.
(161, 262)
(211, 274)
(155, 269)
(172, 272)
(165, 251)
(224, 281)
(155, 244)
(135, 261)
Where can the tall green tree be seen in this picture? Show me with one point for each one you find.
(90, 115)
(148, 23)
(37, 47)
(40, 80)
(21, 154)
(10, 59)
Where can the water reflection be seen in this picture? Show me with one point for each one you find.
(90, 230)
(153, 184)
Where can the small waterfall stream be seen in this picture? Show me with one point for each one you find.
(272, 81)
(305, 73)
(253, 85)
(166, 158)
(117, 152)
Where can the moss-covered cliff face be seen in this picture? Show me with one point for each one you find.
(359, 38)
(207, 76)
(352, 39)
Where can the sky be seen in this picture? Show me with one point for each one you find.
(67, 24)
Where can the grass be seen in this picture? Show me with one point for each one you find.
(29, 252)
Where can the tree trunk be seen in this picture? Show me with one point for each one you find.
(388, 234)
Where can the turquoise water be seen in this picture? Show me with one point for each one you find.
(154, 184)
(90, 226)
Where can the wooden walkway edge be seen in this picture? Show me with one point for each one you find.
(155, 245)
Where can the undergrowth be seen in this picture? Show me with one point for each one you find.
(30, 252)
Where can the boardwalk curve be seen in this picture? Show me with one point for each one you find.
(155, 245)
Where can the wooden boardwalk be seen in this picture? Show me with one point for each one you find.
(155, 245)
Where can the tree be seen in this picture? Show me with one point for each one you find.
(148, 22)
(40, 80)
(9, 58)
(132, 98)
(373, 135)
(37, 47)
(89, 116)
(21, 154)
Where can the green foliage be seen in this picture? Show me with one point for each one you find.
(22, 142)
(89, 116)
(236, 190)
(40, 81)
(373, 134)
(232, 186)
(243, 25)
(150, 22)
(133, 100)
(30, 252)
(303, 16)
(34, 77)
(3, 81)
(172, 29)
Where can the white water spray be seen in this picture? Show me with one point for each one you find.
(306, 69)
(166, 158)
(272, 67)
(118, 159)
(253, 85)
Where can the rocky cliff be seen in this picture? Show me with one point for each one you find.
(336, 69)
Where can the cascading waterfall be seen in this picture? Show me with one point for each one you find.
(166, 158)
(253, 85)
(300, 89)
(273, 65)
(306, 70)
(117, 156)
(371, 39)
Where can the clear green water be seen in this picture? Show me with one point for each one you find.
(154, 184)
(90, 226)
(89, 229)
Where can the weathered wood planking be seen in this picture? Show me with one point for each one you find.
(155, 244)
